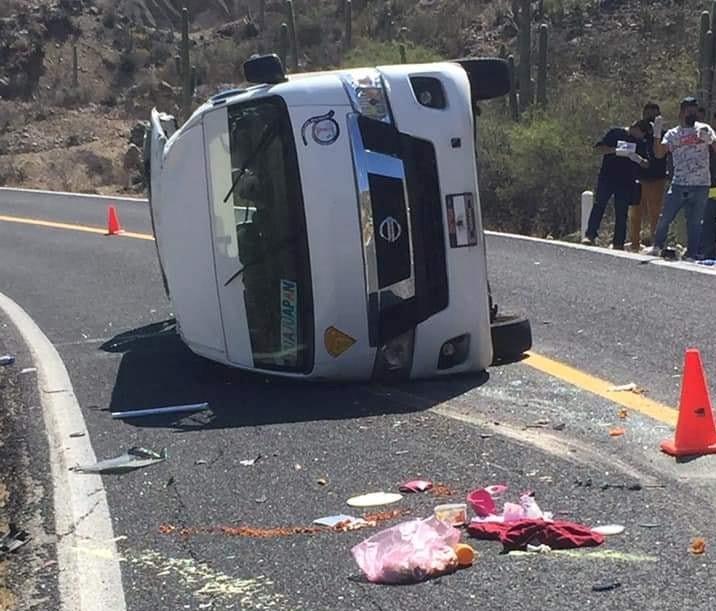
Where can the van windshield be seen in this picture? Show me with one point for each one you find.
(271, 235)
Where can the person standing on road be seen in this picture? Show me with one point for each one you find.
(624, 152)
(689, 144)
(653, 185)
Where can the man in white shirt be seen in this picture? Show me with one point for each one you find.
(689, 145)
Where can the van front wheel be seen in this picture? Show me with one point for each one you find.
(511, 337)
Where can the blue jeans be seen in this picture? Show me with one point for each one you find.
(678, 197)
(624, 195)
(708, 232)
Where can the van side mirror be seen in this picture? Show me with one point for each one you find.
(262, 69)
(489, 77)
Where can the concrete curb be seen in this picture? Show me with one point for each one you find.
(90, 577)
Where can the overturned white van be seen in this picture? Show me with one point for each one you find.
(328, 225)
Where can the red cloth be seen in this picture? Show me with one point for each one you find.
(516, 535)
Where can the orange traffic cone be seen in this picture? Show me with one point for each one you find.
(695, 429)
(113, 226)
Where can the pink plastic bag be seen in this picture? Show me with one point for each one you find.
(408, 552)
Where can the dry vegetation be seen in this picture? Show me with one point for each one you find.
(606, 58)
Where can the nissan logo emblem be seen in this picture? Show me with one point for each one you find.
(390, 230)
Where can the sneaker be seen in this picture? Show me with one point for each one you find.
(653, 251)
(589, 241)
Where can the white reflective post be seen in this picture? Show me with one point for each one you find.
(587, 203)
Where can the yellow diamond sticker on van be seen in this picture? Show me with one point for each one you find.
(337, 342)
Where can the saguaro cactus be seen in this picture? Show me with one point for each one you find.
(524, 10)
(708, 72)
(542, 67)
(283, 45)
(292, 33)
(348, 10)
(703, 66)
(75, 67)
(187, 92)
(514, 110)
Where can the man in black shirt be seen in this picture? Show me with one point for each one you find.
(653, 185)
(624, 152)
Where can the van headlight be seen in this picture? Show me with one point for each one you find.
(367, 94)
(394, 359)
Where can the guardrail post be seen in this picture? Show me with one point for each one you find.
(586, 209)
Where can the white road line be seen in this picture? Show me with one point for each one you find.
(621, 254)
(87, 582)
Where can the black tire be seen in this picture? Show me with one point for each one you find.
(511, 338)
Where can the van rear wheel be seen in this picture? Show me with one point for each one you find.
(511, 337)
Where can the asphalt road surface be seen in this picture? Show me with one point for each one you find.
(100, 301)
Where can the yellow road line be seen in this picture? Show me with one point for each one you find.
(638, 403)
(653, 409)
(72, 227)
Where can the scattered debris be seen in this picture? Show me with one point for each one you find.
(606, 586)
(297, 467)
(631, 387)
(465, 555)
(486, 435)
(7, 359)
(441, 490)
(539, 549)
(250, 462)
(623, 413)
(616, 432)
(138, 413)
(321, 525)
(385, 516)
(587, 483)
(609, 529)
(539, 424)
(201, 461)
(134, 458)
(633, 487)
(28, 370)
(261, 500)
(483, 503)
(241, 531)
(454, 514)
(418, 485)
(77, 434)
(343, 522)
(560, 426)
(649, 525)
(697, 546)
(401, 452)
(409, 552)
(12, 540)
(170, 482)
(373, 499)
(583, 554)
(322, 481)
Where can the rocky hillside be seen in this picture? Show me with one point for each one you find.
(62, 128)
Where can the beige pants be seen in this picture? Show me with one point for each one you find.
(651, 203)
